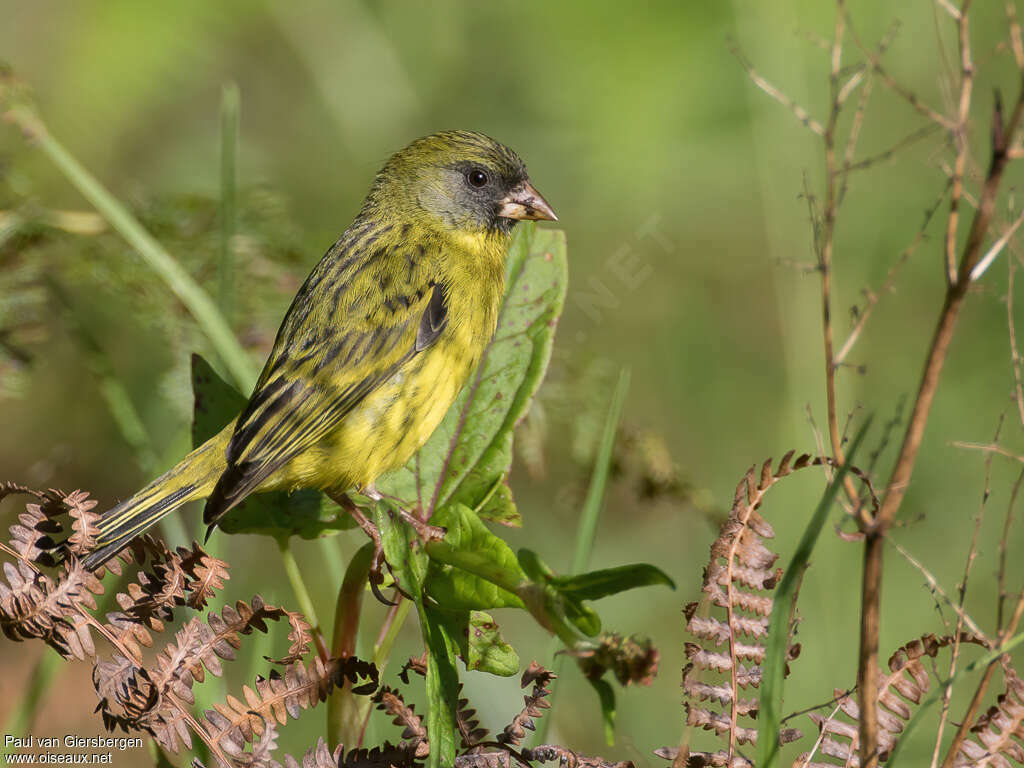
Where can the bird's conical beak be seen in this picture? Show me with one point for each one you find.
(525, 202)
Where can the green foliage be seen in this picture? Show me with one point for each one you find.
(456, 588)
(610, 581)
(442, 688)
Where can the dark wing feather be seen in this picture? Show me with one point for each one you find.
(317, 372)
(434, 319)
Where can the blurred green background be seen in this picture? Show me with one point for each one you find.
(679, 185)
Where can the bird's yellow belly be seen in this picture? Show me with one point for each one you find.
(388, 427)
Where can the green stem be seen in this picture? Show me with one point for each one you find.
(229, 107)
(181, 283)
(586, 533)
(291, 569)
(382, 648)
(592, 505)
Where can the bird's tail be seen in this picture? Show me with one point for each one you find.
(192, 478)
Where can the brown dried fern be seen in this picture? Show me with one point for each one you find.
(906, 684)
(155, 697)
(736, 580)
(1000, 731)
(533, 704)
(278, 697)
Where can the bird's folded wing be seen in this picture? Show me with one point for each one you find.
(321, 368)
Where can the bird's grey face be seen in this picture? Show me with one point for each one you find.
(475, 183)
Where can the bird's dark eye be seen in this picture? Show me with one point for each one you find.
(476, 178)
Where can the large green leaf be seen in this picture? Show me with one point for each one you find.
(610, 581)
(479, 642)
(442, 687)
(456, 588)
(307, 513)
(466, 458)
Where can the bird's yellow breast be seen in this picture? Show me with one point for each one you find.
(401, 413)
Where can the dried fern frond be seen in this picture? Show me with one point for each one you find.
(471, 733)
(906, 684)
(200, 646)
(279, 697)
(999, 731)
(34, 605)
(546, 753)
(170, 580)
(737, 580)
(385, 756)
(414, 732)
(705, 759)
(300, 639)
(40, 536)
(533, 704)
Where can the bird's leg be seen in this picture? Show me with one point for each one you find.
(376, 572)
(426, 532)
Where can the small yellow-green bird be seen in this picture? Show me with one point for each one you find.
(376, 344)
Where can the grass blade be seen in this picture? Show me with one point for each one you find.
(229, 109)
(589, 517)
(196, 300)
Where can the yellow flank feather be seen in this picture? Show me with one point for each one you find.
(377, 343)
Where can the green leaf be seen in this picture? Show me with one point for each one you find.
(442, 688)
(306, 513)
(611, 581)
(486, 649)
(774, 667)
(533, 566)
(403, 549)
(583, 617)
(480, 644)
(455, 587)
(466, 458)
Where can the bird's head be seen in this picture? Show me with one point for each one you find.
(461, 182)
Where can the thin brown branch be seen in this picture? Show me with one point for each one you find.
(824, 248)
(872, 297)
(894, 85)
(960, 139)
(1015, 38)
(1015, 359)
(1007, 524)
(956, 291)
(822, 732)
(972, 552)
(988, 448)
(801, 114)
(853, 138)
(996, 249)
(912, 138)
(937, 590)
(949, 8)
